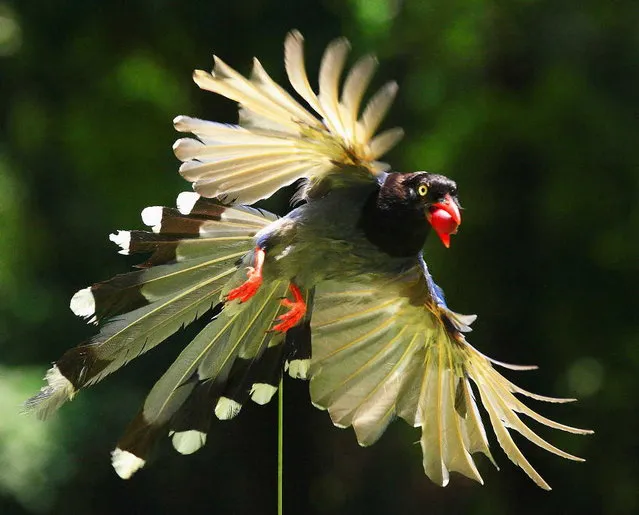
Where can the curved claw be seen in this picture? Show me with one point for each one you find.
(253, 282)
(296, 312)
(248, 288)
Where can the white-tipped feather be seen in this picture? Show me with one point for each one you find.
(54, 394)
(83, 303)
(262, 393)
(226, 408)
(177, 293)
(125, 463)
(58, 382)
(185, 201)
(121, 239)
(188, 442)
(209, 358)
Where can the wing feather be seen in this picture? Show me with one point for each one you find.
(355, 85)
(278, 141)
(379, 406)
(385, 141)
(296, 70)
(225, 81)
(329, 75)
(269, 87)
(457, 455)
(430, 416)
(473, 430)
(506, 442)
(376, 110)
(386, 348)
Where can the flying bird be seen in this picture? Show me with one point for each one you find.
(336, 292)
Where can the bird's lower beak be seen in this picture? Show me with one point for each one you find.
(445, 218)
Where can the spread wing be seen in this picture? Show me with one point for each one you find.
(386, 349)
(278, 141)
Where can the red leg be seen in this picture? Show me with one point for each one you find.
(295, 313)
(249, 287)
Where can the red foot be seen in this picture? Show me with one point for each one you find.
(293, 315)
(249, 287)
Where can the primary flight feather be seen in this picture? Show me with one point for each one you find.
(362, 317)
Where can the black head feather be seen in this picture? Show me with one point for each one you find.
(394, 217)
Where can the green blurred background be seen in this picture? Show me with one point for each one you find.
(532, 106)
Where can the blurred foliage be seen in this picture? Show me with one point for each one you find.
(531, 105)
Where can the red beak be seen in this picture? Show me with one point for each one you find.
(445, 218)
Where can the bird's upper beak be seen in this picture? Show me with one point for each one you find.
(445, 218)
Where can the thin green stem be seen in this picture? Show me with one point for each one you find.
(280, 446)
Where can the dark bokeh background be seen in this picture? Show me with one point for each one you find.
(532, 106)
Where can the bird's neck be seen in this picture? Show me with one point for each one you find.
(391, 223)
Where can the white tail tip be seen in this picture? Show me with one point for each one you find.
(125, 463)
(122, 239)
(298, 368)
(187, 442)
(226, 408)
(262, 393)
(152, 216)
(185, 201)
(83, 303)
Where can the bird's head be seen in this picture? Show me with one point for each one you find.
(397, 218)
(436, 197)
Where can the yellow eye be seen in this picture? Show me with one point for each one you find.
(422, 190)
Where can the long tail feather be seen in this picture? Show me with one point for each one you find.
(195, 250)
(235, 357)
